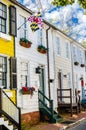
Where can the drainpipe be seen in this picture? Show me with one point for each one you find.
(72, 65)
(48, 66)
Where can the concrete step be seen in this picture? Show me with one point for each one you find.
(6, 123)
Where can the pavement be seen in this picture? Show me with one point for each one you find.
(67, 122)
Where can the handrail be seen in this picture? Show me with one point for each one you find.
(69, 95)
(9, 109)
(43, 103)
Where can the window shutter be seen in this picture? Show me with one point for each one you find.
(13, 73)
(12, 20)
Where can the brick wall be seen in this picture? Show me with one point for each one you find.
(31, 118)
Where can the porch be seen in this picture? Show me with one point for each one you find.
(68, 100)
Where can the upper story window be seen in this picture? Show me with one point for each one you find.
(82, 56)
(22, 30)
(40, 36)
(3, 17)
(74, 53)
(67, 50)
(3, 71)
(58, 45)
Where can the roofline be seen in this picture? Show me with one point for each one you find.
(46, 22)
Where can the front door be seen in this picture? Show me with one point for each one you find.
(60, 85)
(41, 81)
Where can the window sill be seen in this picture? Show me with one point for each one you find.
(5, 36)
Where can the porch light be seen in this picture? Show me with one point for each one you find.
(38, 70)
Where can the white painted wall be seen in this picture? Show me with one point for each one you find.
(61, 62)
(34, 59)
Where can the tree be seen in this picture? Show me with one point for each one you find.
(66, 2)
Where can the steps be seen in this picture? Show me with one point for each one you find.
(53, 118)
(5, 124)
(47, 110)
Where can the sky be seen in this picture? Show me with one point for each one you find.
(71, 19)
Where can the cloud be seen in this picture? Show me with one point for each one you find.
(70, 18)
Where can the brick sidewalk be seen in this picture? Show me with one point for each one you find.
(66, 117)
(60, 126)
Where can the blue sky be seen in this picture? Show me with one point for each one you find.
(71, 19)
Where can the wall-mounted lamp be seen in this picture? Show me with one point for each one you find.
(51, 80)
(81, 78)
(65, 76)
(38, 70)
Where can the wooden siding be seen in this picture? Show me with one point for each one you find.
(34, 59)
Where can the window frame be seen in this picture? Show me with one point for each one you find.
(67, 50)
(3, 18)
(24, 26)
(24, 74)
(4, 71)
(58, 46)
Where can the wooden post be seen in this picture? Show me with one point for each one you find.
(71, 101)
(0, 102)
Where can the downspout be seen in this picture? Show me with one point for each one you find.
(72, 69)
(48, 66)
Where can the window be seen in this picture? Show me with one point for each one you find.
(24, 74)
(3, 71)
(3, 14)
(74, 52)
(40, 36)
(12, 18)
(82, 56)
(67, 50)
(22, 30)
(58, 44)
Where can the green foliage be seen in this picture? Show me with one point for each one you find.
(25, 40)
(62, 2)
(42, 47)
(84, 44)
(66, 2)
(82, 3)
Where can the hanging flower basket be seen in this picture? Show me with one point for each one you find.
(42, 49)
(36, 22)
(27, 90)
(82, 65)
(25, 43)
(76, 63)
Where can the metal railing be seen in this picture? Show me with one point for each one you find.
(45, 102)
(9, 110)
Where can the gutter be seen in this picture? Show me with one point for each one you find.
(48, 65)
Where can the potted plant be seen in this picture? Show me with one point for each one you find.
(42, 49)
(27, 90)
(76, 63)
(82, 65)
(25, 43)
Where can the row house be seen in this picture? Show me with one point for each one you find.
(8, 74)
(78, 67)
(7, 45)
(69, 64)
(24, 66)
(35, 68)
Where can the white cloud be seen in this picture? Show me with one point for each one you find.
(70, 17)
